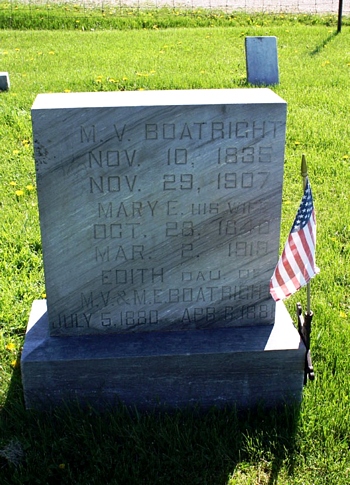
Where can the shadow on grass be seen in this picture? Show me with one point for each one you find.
(324, 43)
(122, 446)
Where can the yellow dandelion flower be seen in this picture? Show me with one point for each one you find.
(13, 183)
(345, 157)
(67, 90)
(51, 53)
(30, 187)
(19, 193)
(141, 89)
(15, 152)
(342, 314)
(4, 53)
(62, 466)
(43, 296)
(15, 364)
(297, 143)
(125, 78)
(11, 347)
(17, 49)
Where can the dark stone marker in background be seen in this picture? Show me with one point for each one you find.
(261, 60)
(4, 81)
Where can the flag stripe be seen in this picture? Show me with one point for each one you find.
(301, 253)
(297, 265)
(307, 242)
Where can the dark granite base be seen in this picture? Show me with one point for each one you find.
(235, 366)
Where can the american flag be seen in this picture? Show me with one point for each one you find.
(297, 264)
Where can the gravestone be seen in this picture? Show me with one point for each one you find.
(261, 60)
(160, 217)
(4, 81)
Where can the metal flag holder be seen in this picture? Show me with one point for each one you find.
(304, 321)
(304, 328)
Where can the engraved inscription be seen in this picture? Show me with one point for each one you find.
(167, 216)
(245, 180)
(250, 154)
(182, 182)
(112, 183)
(214, 130)
(127, 210)
(112, 158)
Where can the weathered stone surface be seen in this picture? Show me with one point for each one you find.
(261, 60)
(4, 81)
(159, 210)
(224, 366)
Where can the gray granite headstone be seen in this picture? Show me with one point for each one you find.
(160, 217)
(159, 210)
(4, 81)
(261, 60)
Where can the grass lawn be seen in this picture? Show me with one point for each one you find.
(306, 446)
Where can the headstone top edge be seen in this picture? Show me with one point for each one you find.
(261, 37)
(200, 97)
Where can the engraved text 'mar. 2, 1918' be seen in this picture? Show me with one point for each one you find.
(166, 225)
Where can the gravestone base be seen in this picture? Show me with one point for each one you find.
(227, 366)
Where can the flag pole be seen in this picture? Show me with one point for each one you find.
(304, 324)
(308, 286)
